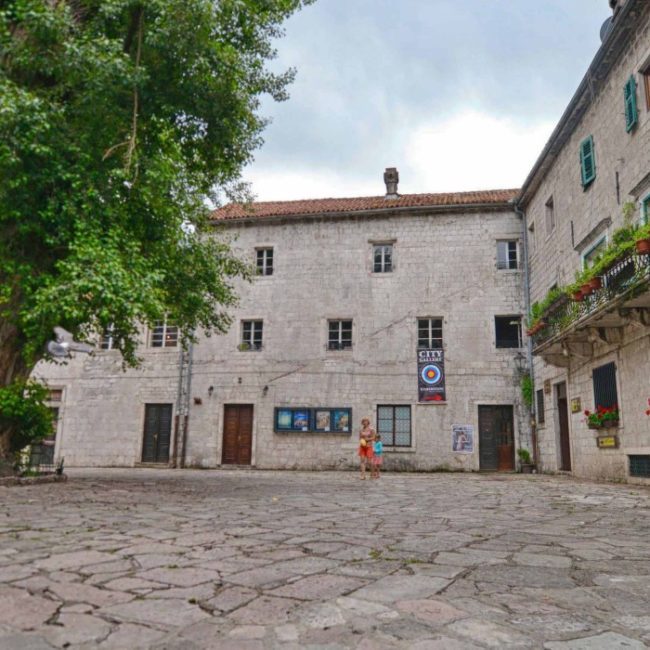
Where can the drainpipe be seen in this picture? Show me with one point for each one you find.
(529, 343)
(186, 405)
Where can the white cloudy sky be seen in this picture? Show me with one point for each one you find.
(457, 94)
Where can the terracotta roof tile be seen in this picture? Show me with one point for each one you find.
(359, 204)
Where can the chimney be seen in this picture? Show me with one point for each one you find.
(391, 178)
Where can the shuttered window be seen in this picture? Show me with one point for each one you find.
(605, 393)
(631, 112)
(587, 161)
(540, 406)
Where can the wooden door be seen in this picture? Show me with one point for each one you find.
(157, 433)
(563, 417)
(237, 434)
(496, 438)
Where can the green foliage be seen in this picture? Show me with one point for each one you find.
(22, 411)
(524, 456)
(527, 389)
(120, 121)
(538, 309)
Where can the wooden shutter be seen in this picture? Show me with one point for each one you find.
(631, 112)
(587, 161)
(605, 393)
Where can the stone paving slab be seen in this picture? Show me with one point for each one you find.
(253, 560)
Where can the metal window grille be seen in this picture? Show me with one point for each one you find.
(429, 333)
(540, 406)
(508, 331)
(252, 334)
(383, 258)
(394, 425)
(605, 393)
(264, 261)
(164, 335)
(107, 339)
(339, 335)
(41, 455)
(640, 466)
(507, 255)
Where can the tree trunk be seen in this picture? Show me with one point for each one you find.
(12, 367)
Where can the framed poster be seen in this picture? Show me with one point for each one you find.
(431, 376)
(283, 419)
(462, 438)
(301, 420)
(342, 419)
(323, 420)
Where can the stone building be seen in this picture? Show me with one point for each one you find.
(592, 179)
(349, 292)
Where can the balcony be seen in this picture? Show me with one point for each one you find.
(572, 327)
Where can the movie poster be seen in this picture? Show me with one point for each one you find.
(431, 376)
(462, 438)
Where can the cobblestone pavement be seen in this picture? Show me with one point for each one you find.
(248, 560)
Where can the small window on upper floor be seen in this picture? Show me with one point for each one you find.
(382, 258)
(507, 331)
(264, 261)
(339, 335)
(645, 209)
(164, 335)
(429, 333)
(592, 253)
(631, 112)
(550, 216)
(251, 335)
(645, 72)
(531, 238)
(587, 162)
(507, 255)
(541, 415)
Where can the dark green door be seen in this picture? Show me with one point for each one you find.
(157, 433)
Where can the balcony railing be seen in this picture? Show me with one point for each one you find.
(621, 283)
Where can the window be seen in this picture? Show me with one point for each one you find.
(251, 335)
(429, 333)
(42, 454)
(507, 255)
(605, 393)
(383, 258)
(56, 395)
(540, 406)
(631, 112)
(508, 331)
(640, 466)
(107, 341)
(340, 335)
(587, 161)
(592, 253)
(645, 209)
(646, 86)
(164, 335)
(264, 261)
(394, 425)
(550, 216)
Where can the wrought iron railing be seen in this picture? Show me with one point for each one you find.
(631, 270)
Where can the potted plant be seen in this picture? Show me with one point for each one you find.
(595, 283)
(642, 240)
(525, 461)
(603, 417)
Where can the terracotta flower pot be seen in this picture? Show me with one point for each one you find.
(577, 296)
(586, 289)
(596, 283)
(594, 425)
(643, 246)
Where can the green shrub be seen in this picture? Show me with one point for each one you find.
(23, 412)
(524, 456)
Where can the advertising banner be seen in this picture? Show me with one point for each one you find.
(462, 438)
(431, 376)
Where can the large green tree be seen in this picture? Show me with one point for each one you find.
(118, 119)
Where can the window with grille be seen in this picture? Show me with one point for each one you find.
(640, 466)
(631, 112)
(507, 331)
(107, 342)
(164, 335)
(382, 258)
(264, 261)
(507, 255)
(339, 335)
(429, 333)
(540, 406)
(394, 425)
(605, 393)
(251, 335)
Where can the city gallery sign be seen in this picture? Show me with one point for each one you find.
(431, 375)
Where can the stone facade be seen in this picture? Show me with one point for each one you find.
(445, 266)
(564, 221)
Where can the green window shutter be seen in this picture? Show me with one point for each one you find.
(587, 161)
(631, 112)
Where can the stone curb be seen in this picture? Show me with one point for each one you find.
(32, 480)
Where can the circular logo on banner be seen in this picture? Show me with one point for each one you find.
(431, 374)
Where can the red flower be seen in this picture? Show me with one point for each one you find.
(587, 413)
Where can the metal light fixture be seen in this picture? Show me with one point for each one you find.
(520, 362)
(265, 390)
(210, 391)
